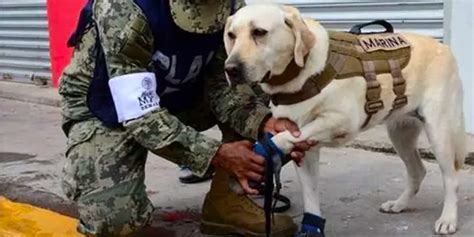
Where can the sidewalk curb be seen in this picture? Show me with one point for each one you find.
(387, 148)
(29, 99)
(29, 93)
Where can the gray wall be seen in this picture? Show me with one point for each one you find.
(460, 35)
(24, 44)
(421, 16)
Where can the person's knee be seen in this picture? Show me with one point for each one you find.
(110, 213)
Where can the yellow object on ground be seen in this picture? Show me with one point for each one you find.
(23, 220)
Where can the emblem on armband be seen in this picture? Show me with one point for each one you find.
(147, 99)
(147, 83)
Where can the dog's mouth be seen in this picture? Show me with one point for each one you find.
(266, 77)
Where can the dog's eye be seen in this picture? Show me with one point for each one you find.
(231, 35)
(288, 23)
(259, 32)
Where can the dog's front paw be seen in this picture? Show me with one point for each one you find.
(284, 141)
(392, 207)
(445, 226)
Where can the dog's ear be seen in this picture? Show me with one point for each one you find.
(305, 39)
(228, 43)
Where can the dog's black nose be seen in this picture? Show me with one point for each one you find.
(233, 70)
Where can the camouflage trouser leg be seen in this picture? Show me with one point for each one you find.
(104, 174)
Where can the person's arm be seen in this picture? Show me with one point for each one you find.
(128, 45)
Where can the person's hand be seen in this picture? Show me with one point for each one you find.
(274, 126)
(238, 159)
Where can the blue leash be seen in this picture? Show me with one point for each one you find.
(274, 161)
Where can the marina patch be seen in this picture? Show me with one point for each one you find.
(387, 42)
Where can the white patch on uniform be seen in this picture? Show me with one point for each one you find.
(134, 95)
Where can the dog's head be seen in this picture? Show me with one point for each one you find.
(262, 39)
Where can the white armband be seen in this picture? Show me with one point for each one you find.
(134, 95)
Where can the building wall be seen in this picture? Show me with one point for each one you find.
(421, 16)
(460, 36)
(24, 44)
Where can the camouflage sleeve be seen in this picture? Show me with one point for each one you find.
(128, 45)
(242, 107)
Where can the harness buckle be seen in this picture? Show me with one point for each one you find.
(373, 91)
(372, 107)
(399, 87)
(400, 101)
(372, 86)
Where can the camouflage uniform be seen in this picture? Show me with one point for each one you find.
(104, 170)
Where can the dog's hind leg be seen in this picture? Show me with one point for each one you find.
(444, 141)
(443, 146)
(404, 136)
(442, 109)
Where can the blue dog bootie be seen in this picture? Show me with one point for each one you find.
(312, 226)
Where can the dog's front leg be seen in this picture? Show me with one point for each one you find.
(318, 130)
(308, 174)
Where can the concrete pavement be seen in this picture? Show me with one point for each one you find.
(354, 182)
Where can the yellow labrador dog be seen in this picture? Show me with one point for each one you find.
(261, 40)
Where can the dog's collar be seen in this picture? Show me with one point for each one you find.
(292, 70)
(313, 85)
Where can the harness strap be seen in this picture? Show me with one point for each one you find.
(337, 61)
(399, 85)
(373, 103)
